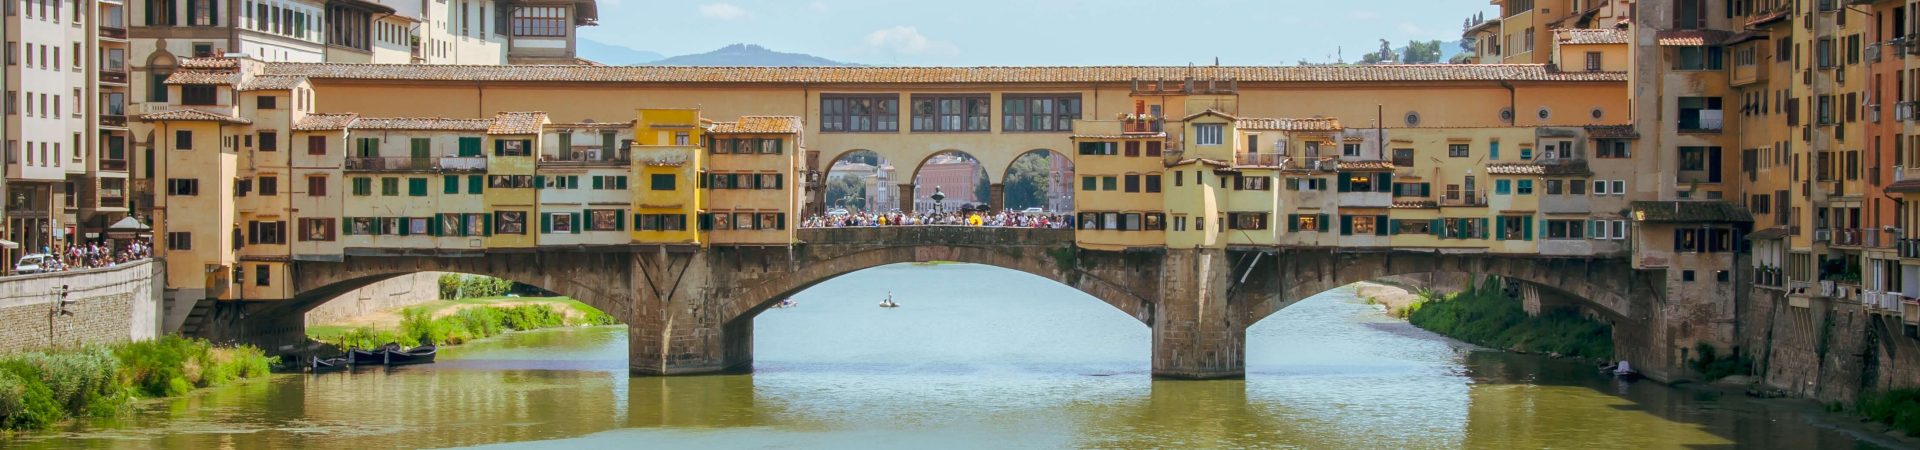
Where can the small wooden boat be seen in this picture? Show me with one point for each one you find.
(360, 358)
(319, 365)
(888, 302)
(418, 355)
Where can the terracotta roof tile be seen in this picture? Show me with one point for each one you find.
(421, 124)
(1767, 19)
(1160, 135)
(1579, 36)
(325, 122)
(1116, 74)
(1905, 186)
(1412, 204)
(759, 125)
(203, 77)
(517, 122)
(192, 115)
(1516, 169)
(1210, 112)
(1691, 38)
(209, 63)
(1313, 124)
(1689, 211)
(591, 126)
(1612, 132)
(1562, 167)
(272, 83)
(1366, 165)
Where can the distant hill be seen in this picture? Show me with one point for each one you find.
(615, 55)
(747, 55)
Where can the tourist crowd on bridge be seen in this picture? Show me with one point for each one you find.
(97, 255)
(1003, 219)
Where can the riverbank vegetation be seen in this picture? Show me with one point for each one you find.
(454, 322)
(1486, 316)
(40, 389)
(1898, 408)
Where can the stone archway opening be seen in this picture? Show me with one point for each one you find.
(950, 180)
(860, 181)
(1039, 178)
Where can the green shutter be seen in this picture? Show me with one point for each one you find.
(1500, 223)
(1293, 222)
(1323, 223)
(405, 229)
(1346, 225)
(573, 181)
(1592, 228)
(469, 146)
(619, 220)
(475, 183)
(450, 184)
(499, 148)
(1526, 229)
(546, 223)
(486, 224)
(1483, 228)
(539, 181)
(1380, 224)
(780, 221)
(1426, 189)
(1383, 182)
(706, 221)
(346, 226)
(433, 225)
(1342, 183)
(599, 182)
(577, 224)
(1438, 228)
(417, 187)
(1493, 150)
(779, 180)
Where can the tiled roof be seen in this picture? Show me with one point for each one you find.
(1121, 136)
(1516, 169)
(209, 63)
(591, 125)
(1412, 204)
(325, 122)
(517, 122)
(1085, 74)
(1768, 234)
(1612, 132)
(192, 115)
(1366, 165)
(1579, 36)
(1691, 38)
(421, 124)
(1767, 19)
(1907, 185)
(1313, 124)
(272, 83)
(1563, 167)
(1745, 36)
(1489, 23)
(1210, 112)
(759, 125)
(203, 77)
(1689, 211)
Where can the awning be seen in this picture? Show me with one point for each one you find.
(9, 244)
(129, 224)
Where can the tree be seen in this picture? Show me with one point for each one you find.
(1421, 52)
(848, 192)
(1384, 56)
(1027, 181)
(984, 189)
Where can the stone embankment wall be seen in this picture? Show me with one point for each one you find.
(109, 305)
(386, 295)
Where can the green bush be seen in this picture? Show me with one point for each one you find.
(455, 286)
(596, 317)
(1899, 408)
(40, 389)
(1707, 361)
(1485, 316)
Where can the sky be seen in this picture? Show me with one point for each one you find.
(1035, 32)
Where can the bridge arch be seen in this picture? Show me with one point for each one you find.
(1609, 287)
(1055, 172)
(960, 186)
(837, 192)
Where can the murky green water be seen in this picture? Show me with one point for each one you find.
(977, 357)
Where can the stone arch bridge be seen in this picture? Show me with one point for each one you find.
(690, 310)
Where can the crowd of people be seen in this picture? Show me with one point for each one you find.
(97, 255)
(1008, 219)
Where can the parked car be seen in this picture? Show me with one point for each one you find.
(34, 263)
(1035, 210)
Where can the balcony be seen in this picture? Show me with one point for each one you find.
(1847, 237)
(111, 32)
(1769, 277)
(113, 120)
(115, 165)
(1259, 159)
(1464, 199)
(113, 76)
(1908, 248)
(463, 164)
(592, 157)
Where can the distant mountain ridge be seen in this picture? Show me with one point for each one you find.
(748, 55)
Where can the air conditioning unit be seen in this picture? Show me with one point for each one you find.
(1873, 53)
(1822, 235)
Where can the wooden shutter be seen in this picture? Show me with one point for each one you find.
(577, 224)
(1293, 222)
(1343, 183)
(1346, 225)
(1500, 223)
(1380, 225)
(599, 182)
(450, 184)
(546, 223)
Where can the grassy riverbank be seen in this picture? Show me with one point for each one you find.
(449, 322)
(40, 389)
(1485, 316)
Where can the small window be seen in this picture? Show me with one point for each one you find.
(1209, 134)
(662, 182)
(266, 102)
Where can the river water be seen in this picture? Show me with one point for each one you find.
(977, 357)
